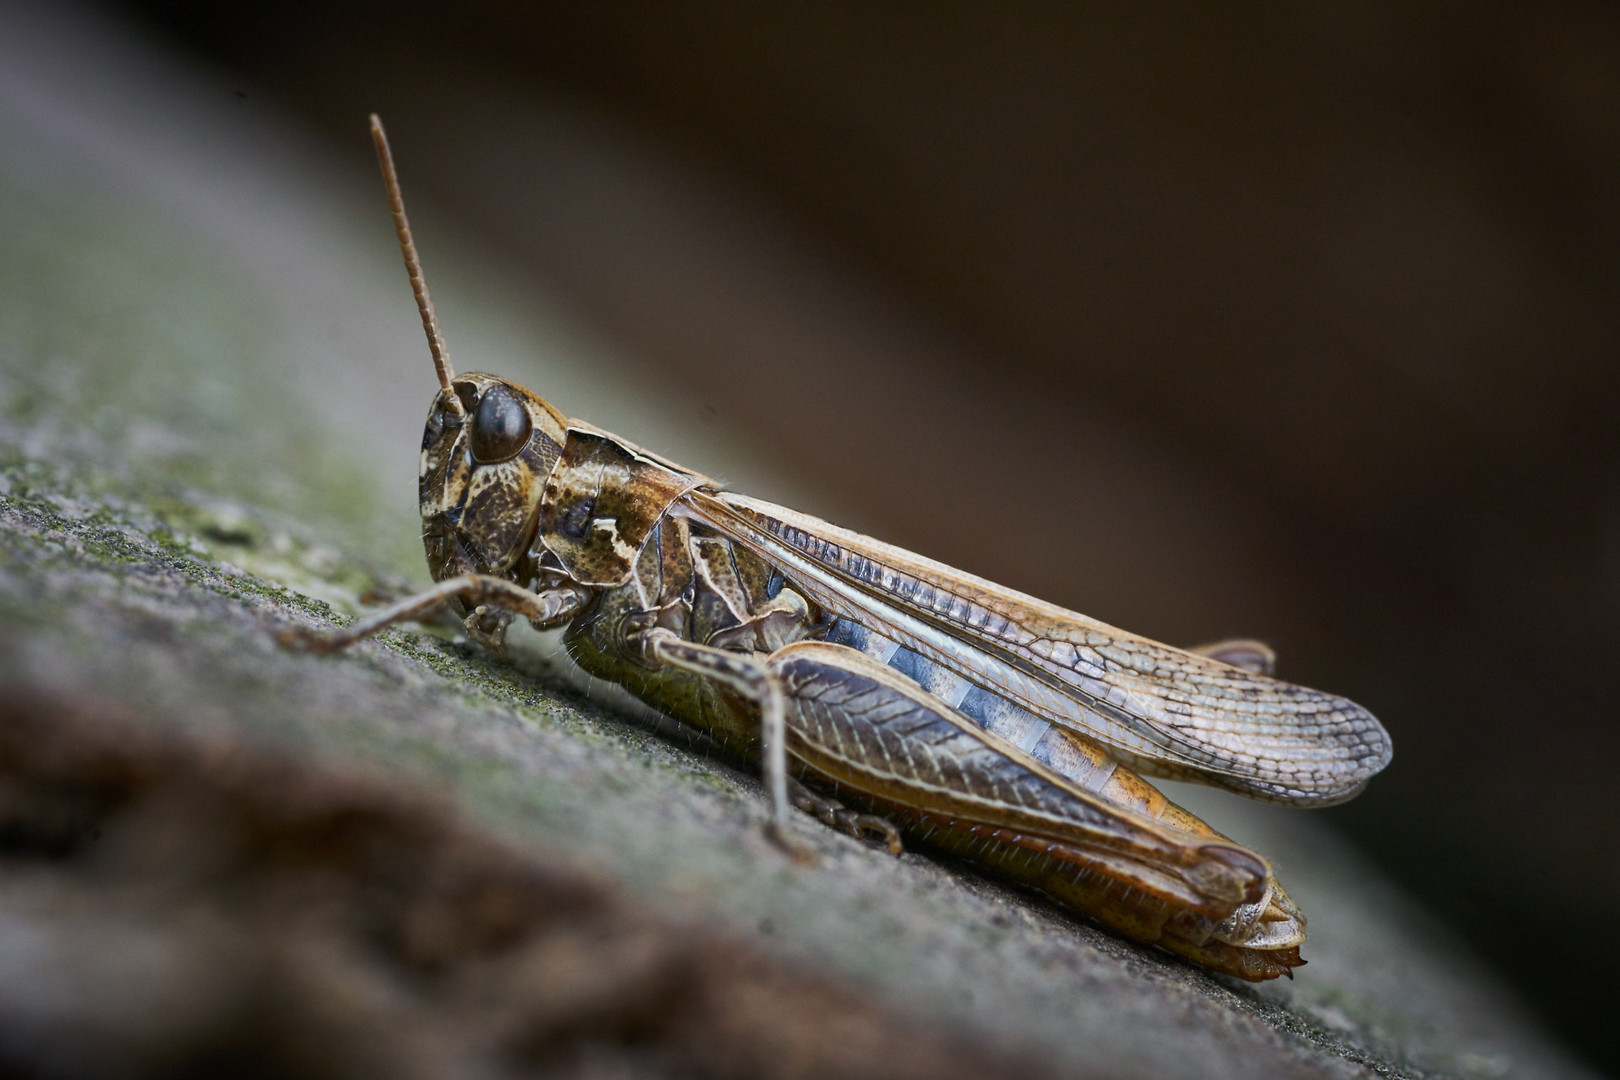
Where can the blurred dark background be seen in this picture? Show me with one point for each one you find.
(1294, 321)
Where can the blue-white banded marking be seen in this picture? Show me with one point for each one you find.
(1007, 721)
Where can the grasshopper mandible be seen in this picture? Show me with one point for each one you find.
(969, 718)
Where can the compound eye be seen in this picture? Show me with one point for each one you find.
(500, 427)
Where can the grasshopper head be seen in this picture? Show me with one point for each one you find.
(482, 474)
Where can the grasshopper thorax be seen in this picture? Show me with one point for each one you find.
(483, 470)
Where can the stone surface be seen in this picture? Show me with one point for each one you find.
(414, 858)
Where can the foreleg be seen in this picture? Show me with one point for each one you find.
(484, 594)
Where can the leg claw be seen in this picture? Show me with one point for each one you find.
(832, 813)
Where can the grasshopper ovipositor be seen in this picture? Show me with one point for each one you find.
(930, 704)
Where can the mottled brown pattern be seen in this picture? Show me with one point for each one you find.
(602, 503)
(479, 518)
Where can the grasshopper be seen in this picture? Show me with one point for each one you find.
(889, 695)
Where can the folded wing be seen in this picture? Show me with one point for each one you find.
(1161, 710)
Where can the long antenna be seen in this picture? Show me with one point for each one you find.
(413, 267)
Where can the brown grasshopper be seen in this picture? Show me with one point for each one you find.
(971, 719)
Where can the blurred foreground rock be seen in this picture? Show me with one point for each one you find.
(221, 857)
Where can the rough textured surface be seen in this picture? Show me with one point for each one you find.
(414, 859)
